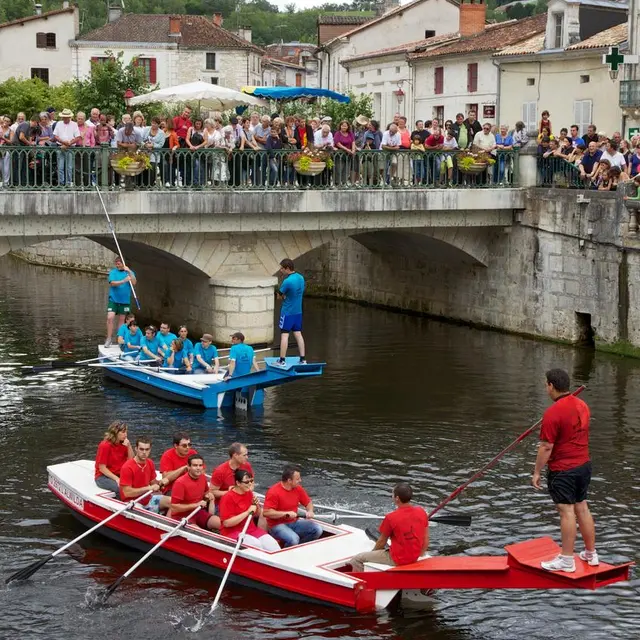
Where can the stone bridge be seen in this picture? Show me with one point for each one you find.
(211, 259)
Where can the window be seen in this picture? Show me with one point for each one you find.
(149, 66)
(214, 80)
(558, 29)
(211, 61)
(362, 74)
(397, 69)
(429, 33)
(439, 114)
(43, 74)
(438, 80)
(582, 114)
(377, 105)
(46, 40)
(584, 79)
(99, 60)
(379, 72)
(529, 116)
(531, 82)
(298, 79)
(472, 77)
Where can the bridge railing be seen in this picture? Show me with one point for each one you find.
(81, 168)
(558, 172)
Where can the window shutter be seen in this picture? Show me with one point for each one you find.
(41, 40)
(152, 70)
(468, 78)
(439, 80)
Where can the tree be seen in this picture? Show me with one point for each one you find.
(108, 82)
(361, 104)
(30, 96)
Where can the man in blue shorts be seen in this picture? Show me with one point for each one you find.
(291, 292)
(241, 357)
(119, 303)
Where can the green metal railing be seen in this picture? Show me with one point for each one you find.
(81, 168)
(557, 172)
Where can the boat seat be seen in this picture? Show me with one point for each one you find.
(376, 566)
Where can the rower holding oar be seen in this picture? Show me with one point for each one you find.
(120, 280)
(564, 449)
(408, 529)
(149, 345)
(130, 341)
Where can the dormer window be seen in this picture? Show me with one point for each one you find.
(558, 30)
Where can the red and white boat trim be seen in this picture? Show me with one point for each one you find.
(317, 570)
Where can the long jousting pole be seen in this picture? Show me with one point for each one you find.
(115, 239)
(488, 466)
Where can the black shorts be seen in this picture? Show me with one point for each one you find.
(570, 486)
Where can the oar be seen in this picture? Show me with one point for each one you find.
(454, 519)
(27, 572)
(231, 561)
(65, 364)
(488, 466)
(162, 540)
(120, 363)
(115, 239)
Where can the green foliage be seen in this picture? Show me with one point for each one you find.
(361, 104)
(107, 84)
(29, 96)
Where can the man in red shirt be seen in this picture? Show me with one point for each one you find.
(222, 478)
(564, 449)
(281, 510)
(408, 528)
(138, 475)
(182, 124)
(175, 461)
(191, 491)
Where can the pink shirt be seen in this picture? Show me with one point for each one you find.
(88, 136)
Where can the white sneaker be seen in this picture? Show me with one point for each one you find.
(560, 563)
(107, 342)
(167, 184)
(590, 558)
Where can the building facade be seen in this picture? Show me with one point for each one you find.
(38, 46)
(173, 50)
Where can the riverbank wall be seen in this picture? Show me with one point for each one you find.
(567, 269)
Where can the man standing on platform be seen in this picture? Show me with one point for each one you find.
(408, 528)
(564, 448)
(291, 292)
(120, 280)
(281, 510)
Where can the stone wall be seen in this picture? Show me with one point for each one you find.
(563, 268)
(72, 253)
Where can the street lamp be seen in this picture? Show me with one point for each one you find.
(128, 94)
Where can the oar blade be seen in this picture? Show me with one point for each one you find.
(453, 519)
(111, 588)
(27, 572)
(66, 364)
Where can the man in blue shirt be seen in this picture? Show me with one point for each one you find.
(149, 344)
(131, 340)
(123, 330)
(165, 338)
(205, 356)
(575, 136)
(291, 292)
(241, 357)
(120, 280)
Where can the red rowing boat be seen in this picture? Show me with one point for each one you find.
(319, 571)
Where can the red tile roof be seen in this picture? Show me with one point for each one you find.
(197, 32)
(407, 47)
(42, 16)
(494, 38)
(607, 38)
(329, 18)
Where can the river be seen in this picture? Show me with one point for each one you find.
(402, 398)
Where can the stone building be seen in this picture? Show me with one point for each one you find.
(38, 46)
(561, 69)
(173, 49)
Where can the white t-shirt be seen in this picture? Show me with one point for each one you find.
(616, 160)
(322, 141)
(484, 140)
(390, 140)
(67, 131)
(450, 144)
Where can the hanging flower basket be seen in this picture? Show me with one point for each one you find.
(310, 168)
(130, 164)
(475, 168)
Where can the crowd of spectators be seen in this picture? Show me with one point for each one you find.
(593, 160)
(63, 149)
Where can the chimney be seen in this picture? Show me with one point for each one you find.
(38, 9)
(174, 25)
(65, 4)
(244, 33)
(115, 12)
(473, 16)
(217, 19)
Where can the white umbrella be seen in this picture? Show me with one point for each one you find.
(210, 96)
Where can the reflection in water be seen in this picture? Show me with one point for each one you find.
(402, 398)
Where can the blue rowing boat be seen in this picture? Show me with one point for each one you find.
(205, 390)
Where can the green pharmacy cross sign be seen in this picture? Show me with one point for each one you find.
(614, 59)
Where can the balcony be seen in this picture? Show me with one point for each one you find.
(629, 93)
